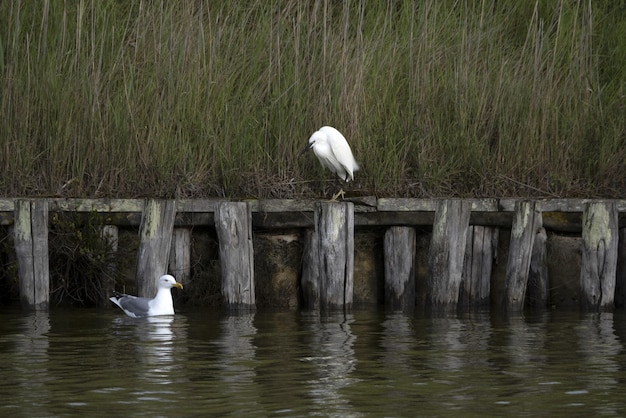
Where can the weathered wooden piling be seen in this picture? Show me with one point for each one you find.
(620, 284)
(334, 227)
(180, 255)
(599, 256)
(155, 239)
(31, 247)
(447, 252)
(399, 252)
(538, 288)
(482, 243)
(233, 222)
(523, 233)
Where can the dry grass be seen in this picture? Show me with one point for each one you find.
(194, 99)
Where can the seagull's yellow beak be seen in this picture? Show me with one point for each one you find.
(178, 285)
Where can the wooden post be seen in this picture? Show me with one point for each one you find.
(31, 248)
(599, 256)
(447, 252)
(180, 255)
(523, 232)
(399, 250)
(155, 235)
(334, 226)
(620, 282)
(538, 280)
(233, 222)
(110, 233)
(310, 282)
(482, 243)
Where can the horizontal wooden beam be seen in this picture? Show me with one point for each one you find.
(559, 214)
(362, 204)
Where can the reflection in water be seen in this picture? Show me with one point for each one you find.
(397, 339)
(236, 355)
(30, 361)
(452, 338)
(157, 346)
(522, 342)
(447, 339)
(600, 348)
(79, 362)
(332, 341)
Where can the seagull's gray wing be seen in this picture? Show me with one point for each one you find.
(132, 305)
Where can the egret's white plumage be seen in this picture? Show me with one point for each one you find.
(333, 151)
(161, 304)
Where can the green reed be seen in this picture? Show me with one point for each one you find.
(193, 99)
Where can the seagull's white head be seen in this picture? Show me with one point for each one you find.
(168, 281)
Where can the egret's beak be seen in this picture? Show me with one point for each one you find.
(177, 285)
(305, 149)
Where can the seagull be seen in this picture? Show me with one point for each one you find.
(162, 304)
(333, 151)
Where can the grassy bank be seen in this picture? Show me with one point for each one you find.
(194, 99)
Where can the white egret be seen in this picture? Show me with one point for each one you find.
(333, 151)
(162, 304)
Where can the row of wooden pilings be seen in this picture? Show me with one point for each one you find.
(460, 255)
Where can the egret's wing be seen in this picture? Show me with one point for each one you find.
(340, 149)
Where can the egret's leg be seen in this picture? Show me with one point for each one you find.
(336, 195)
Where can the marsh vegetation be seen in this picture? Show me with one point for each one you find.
(204, 98)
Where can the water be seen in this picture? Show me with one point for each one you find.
(98, 362)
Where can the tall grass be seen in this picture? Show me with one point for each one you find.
(204, 98)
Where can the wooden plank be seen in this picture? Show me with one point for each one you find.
(155, 238)
(503, 219)
(282, 220)
(7, 205)
(560, 205)
(310, 280)
(559, 214)
(399, 253)
(31, 247)
(306, 205)
(538, 289)
(430, 205)
(180, 255)
(386, 219)
(406, 205)
(447, 252)
(97, 205)
(334, 224)
(482, 243)
(282, 205)
(563, 221)
(620, 282)
(599, 256)
(576, 205)
(197, 205)
(191, 219)
(523, 232)
(361, 204)
(233, 222)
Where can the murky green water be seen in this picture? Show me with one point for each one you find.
(90, 362)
